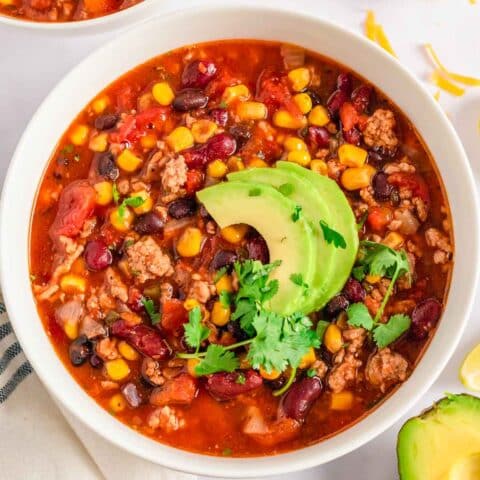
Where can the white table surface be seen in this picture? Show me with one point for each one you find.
(31, 63)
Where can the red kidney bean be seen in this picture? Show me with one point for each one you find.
(225, 386)
(131, 395)
(146, 340)
(335, 101)
(336, 305)
(425, 316)
(361, 98)
(352, 136)
(198, 73)
(107, 167)
(189, 99)
(354, 291)
(258, 250)
(298, 400)
(183, 207)
(223, 258)
(345, 83)
(381, 188)
(106, 122)
(196, 157)
(318, 136)
(219, 116)
(97, 255)
(148, 223)
(221, 147)
(79, 350)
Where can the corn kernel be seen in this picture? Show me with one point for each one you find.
(243, 361)
(234, 233)
(127, 352)
(283, 119)
(100, 104)
(273, 375)
(180, 139)
(372, 279)
(301, 157)
(190, 304)
(357, 177)
(190, 242)
(98, 143)
(220, 314)
(162, 92)
(393, 240)
(128, 161)
(252, 111)
(117, 403)
(191, 365)
(148, 141)
(122, 223)
(352, 156)
(103, 193)
(237, 92)
(224, 284)
(203, 130)
(79, 135)
(333, 338)
(341, 400)
(257, 162)
(319, 166)
(147, 204)
(299, 78)
(307, 359)
(71, 283)
(303, 102)
(71, 330)
(217, 169)
(117, 369)
(318, 116)
(295, 143)
(235, 164)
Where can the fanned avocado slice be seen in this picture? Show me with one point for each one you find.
(342, 220)
(270, 213)
(314, 208)
(443, 443)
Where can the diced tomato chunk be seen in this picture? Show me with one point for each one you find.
(379, 217)
(194, 181)
(413, 182)
(174, 316)
(180, 390)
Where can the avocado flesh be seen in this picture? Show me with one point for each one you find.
(270, 213)
(315, 209)
(342, 220)
(442, 443)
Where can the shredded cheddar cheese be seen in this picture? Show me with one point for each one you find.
(375, 32)
(370, 26)
(436, 95)
(445, 84)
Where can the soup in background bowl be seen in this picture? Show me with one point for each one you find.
(241, 248)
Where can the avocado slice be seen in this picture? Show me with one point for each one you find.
(270, 213)
(315, 209)
(443, 443)
(342, 220)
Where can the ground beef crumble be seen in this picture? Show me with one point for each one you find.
(379, 130)
(386, 368)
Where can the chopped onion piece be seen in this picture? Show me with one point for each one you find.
(293, 57)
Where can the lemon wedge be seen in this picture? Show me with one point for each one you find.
(470, 370)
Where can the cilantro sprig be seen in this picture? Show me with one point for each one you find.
(332, 236)
(297, 279)
(297, 213)
(130, 202)
(149, 306)
(195, 331)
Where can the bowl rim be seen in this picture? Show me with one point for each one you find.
(385, 415)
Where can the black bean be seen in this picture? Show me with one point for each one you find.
(381, 188)
(189, 99)
(79, 350)
(148, 224)
(258, 250)
(106, 122)
(204, 213)
(241, 133)
(131, 394)
(183, 207)
(95, 361)
(315, 97)
(336, 305)
(223, 258)
(107, 167)
(237, 331)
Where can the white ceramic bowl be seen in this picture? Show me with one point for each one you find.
(153, 38)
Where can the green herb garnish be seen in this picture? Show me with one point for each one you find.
(115, 193)
(311, 372)
(255, 192)
(241, 379)
(133, 202)
(220, 273)
(322, 325)
(297, 213)
(286, 189)
(217, 359)
(332, 236)
(150, 309)
(195, 331)
(297, 279)
(225, 298)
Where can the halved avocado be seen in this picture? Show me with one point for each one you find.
(342, 220)
(314, 208)
(443, 443)
(270, 213)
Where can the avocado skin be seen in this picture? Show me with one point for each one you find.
(428, 445)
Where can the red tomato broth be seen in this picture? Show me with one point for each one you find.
(214, 427)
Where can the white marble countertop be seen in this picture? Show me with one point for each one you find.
(31, 63)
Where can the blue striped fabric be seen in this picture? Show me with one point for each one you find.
(14, 367)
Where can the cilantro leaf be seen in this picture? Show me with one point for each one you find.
(297, 279)
(362, 220)
(358, 273)
(254, 192)
(286, 189)
(225, 298)
(220, 273)
(115, 193)
(386, 333)
(297, 213)
(150, 309)
(217, 359)
(322, 325)
(332, 236)
(195, 331)
(359, 316)
(311, 373)
(130, 202)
